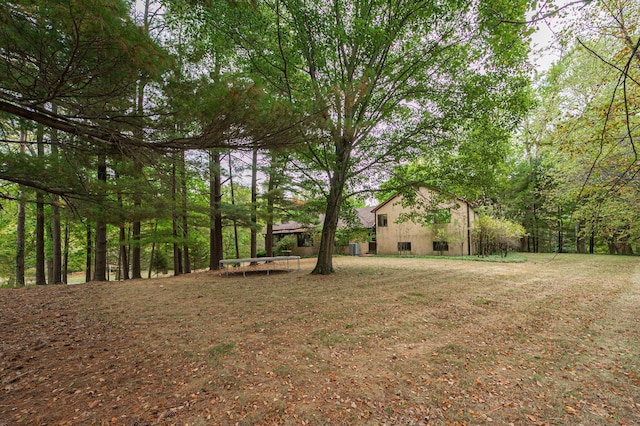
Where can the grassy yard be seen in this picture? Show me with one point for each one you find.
(395, 341)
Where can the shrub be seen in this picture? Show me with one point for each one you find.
(287, 243)
(492, 235)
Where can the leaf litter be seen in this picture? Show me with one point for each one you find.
(381, 342)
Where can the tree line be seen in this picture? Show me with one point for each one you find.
(128, 121)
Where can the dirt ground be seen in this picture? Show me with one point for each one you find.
(384, 341)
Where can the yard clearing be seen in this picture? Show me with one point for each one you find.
(395, 341)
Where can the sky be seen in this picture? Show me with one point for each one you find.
(545, 50)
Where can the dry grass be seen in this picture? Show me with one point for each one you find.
(382, 341)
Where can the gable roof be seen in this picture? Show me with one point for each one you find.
(388, 200)
(365, 216)
(384, 203)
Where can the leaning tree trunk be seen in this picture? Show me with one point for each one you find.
(324, 265)
(215, 215)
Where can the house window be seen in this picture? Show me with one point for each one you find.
(439, 216)
(440, 246)
(382, 220)
(305, 240)
(404, 246)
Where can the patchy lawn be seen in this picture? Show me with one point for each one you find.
(382, 341)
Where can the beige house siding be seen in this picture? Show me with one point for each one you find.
(305, 251)
(420, 237)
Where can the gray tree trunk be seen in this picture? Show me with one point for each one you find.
(324, 265)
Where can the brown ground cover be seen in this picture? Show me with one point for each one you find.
(383, 341)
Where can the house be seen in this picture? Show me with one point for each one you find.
(425, 227)
(307, 235)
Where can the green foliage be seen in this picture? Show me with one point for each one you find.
(286, 243)
(377, 82)
(493, 235)
(160, 262)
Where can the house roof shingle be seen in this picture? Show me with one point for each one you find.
(365, 215)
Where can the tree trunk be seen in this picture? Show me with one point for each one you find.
(215, 215)
(40, 254)
(20, 241)
(136, 250)
(581, 246)
(65, 254)
(324, 265)
(233, 203)
(124, 258)
(185, 216)
(560, 236)
(254, 207)
(153, 249)
(56, 231)
(268, 239)
(20, 237)
(89, 259)
(136, 258)
(100, 272)
(177, 252)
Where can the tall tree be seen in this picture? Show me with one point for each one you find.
(184, 214)
(175, 225)
(254, 203)
(100, 270)
(595, 128)
(88, 275)
(40, 219)
(20, 231)
(215, 213)
(56, 233)
(377, 79)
